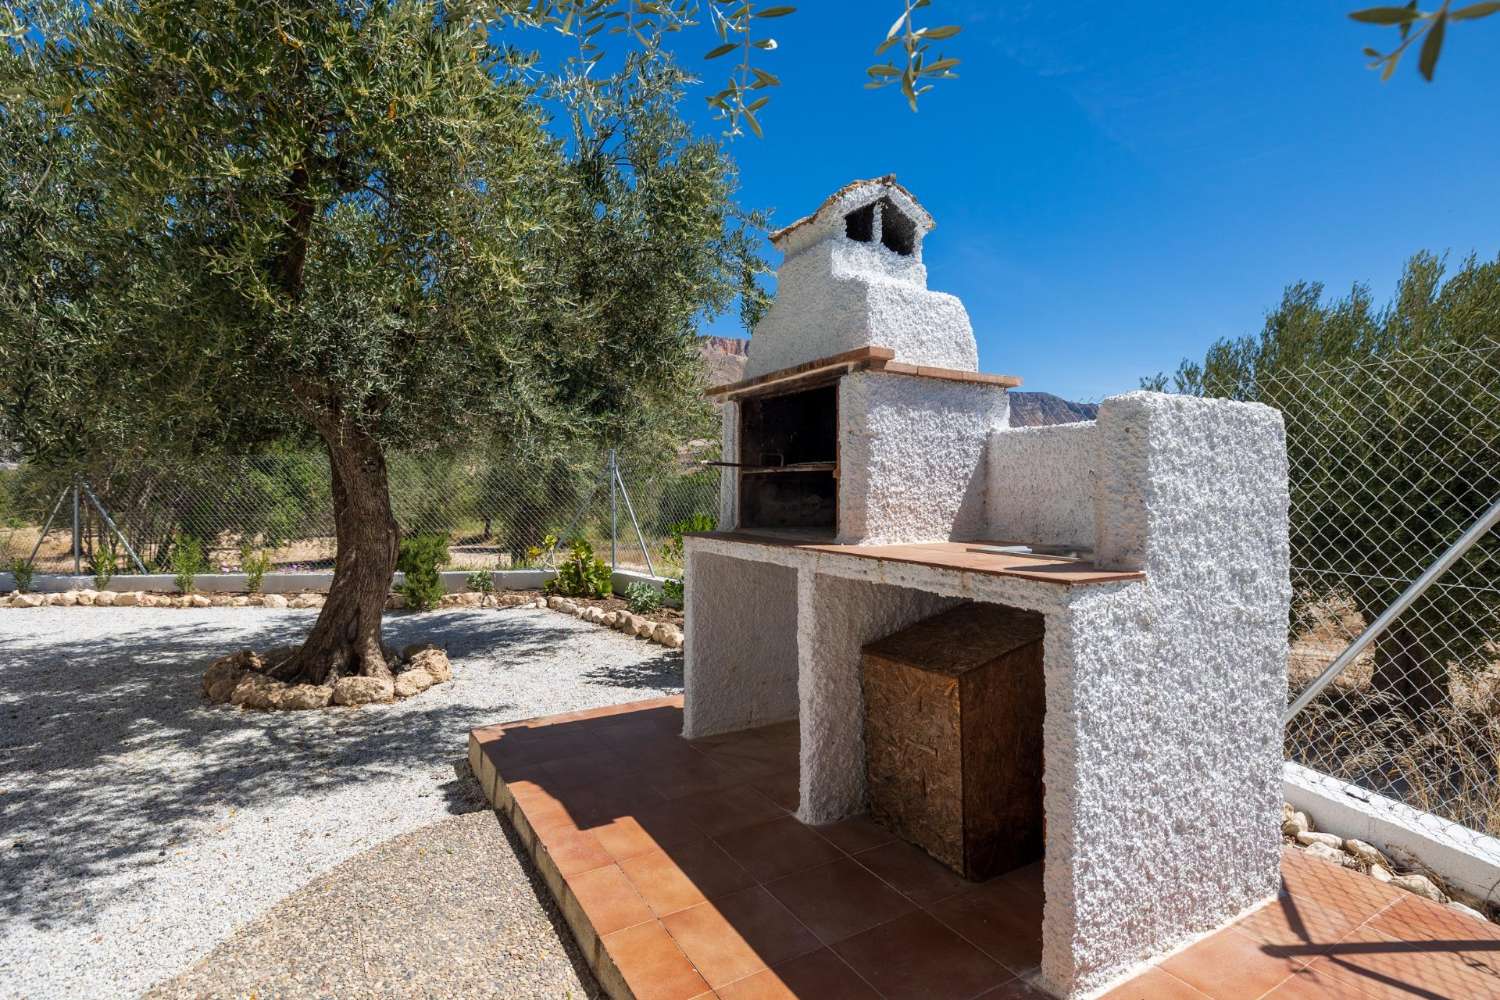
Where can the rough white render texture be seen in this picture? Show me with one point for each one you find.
(1041, 485)
(836, 617)
(912, 457)
(740, 657)
(839, 295)
(729, 480)
(1163, 734)
(828, 220)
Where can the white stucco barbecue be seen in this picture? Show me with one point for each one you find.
(1165, 619)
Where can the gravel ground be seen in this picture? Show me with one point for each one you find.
(139, 825)
(446, 911)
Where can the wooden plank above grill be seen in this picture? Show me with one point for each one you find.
(990, 558)
(880, 359)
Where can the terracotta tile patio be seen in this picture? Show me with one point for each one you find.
(683, 875)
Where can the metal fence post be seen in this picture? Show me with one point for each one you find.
(630, 509)
(1444, 562)
(614, 514)
(77, 565)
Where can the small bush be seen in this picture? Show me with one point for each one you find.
(582, 574)
(22, 571)
(254, 564)
(105, 562)
(481, 582)
(672, 589)
(422, 558)
(538, 556)
(643, 598)
(187, 562)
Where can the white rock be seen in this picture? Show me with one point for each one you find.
(1420, 885)
(106, 599)
(1461, 908)
(239, 602)
(1326, 853)
(644, 627)
(433, 662)
(128, 599)
(674, 639)
(27, 601)
(87, 598)
(1295, 824)
(412, 682)
(273, 601)
(1381, 873)
(199, 601)
(1331, 840)
(1368, 853)
(363, 690)
(554, 602)
(610, 618)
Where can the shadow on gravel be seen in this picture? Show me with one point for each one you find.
(109, 755)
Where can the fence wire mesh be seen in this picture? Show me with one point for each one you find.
(1391, 461)
(496, 514)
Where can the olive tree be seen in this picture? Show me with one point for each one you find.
(232, 223)
(1394, 432)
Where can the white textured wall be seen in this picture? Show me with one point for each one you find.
(912, 457)
(1162, 734)
(740, 655)
(729, 478)
(838, 295)
(836, 617)
(1163, 728)
(1041, 485)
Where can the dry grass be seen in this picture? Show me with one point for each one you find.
(1442, 761)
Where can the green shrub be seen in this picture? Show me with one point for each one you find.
(672, 588)
(22, 570)
(672, 550)
(582, 574)
(481, 582)
(643, 598)
(105, 562)
(187, 562)
(422, 558)
(254, 564)
(538, 556)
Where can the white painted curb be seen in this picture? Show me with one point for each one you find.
(1464, 858)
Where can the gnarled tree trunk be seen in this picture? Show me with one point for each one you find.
(345, 641)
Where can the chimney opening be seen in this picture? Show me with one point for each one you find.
(897, 232)
(859, 225)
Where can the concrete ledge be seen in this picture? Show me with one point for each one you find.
(1463, 857)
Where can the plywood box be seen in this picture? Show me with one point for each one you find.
(953, 736)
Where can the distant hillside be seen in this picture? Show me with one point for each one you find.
(1041, 409)
(724, 357)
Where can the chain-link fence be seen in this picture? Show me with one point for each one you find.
(497, 514)
(1392, 460)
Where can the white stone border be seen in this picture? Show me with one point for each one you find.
(1464, 858)
(454, 582)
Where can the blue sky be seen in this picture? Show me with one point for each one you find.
(1117, 185)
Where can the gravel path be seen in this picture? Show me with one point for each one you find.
(139, 826)
(448, 911)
